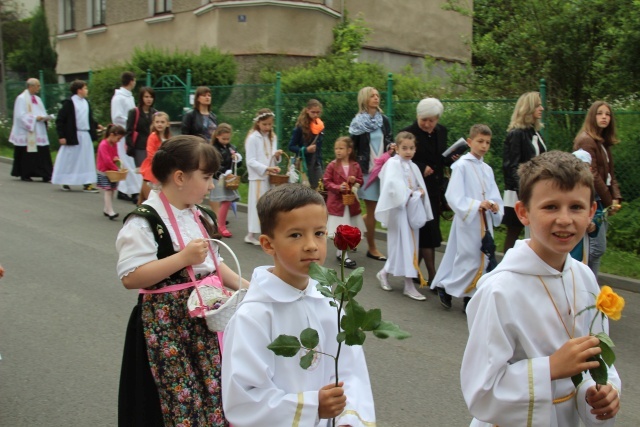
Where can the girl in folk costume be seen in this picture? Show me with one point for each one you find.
(160, 132)
(261, 149)
(403, 208)
(221, 197)
(306, 140)
(106, 161)
(171, 365)
(472, 193)
(343, 175)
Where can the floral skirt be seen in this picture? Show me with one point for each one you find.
(185, 360)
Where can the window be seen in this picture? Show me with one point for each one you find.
(68, 14)
(98, 8)
(161, 6)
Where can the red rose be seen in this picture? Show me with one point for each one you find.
(347, 237)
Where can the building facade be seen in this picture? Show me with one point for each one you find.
(90, 34)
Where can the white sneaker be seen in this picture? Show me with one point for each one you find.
(251, 240)
(382, 278)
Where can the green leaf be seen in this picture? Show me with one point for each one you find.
(577, 379)
(355, 338)
(332, 303)
(309, 338)
(285, 345)
(355, 281)
(372, 319)
(307, 359)
(390, 330)
(605, 339)
(323, 275)
(599, 374)
(607, 354)
(325, 290)
(354, 316)
(341, 336)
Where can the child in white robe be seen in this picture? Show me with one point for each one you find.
(474, 197)
(261, 149)
(527, 335)
(403, 208)
(262, 389)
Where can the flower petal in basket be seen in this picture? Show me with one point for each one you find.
(218, 318)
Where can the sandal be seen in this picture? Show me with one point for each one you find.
(348, 263)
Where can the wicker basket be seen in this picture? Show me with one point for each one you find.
(232, 181)
(116, 176)
(277, 179)
(348, 198)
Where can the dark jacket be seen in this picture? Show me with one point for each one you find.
(66, 123)
(226, 152)
(518, 148)
(430, 156)
(143, 128)
(192, 123)
(298, 141)
(600, 168)
(361, 144)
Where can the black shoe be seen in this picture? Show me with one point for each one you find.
(122, 196)
(65, 188)
(466, 303)
(416, 280)
(348, 263)
(26, 178)
(111, 217)
(377, 258)
(445, 298)
(134, 198)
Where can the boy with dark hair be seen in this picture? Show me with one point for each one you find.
(75, 162)
(260, 388)
(474, 196)
(528, 334)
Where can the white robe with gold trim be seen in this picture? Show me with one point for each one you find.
(463, 260)
(513, 329)
(262, 389)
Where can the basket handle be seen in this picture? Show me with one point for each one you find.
(235, 258)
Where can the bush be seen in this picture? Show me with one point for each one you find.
(624, 228)
(209, 67)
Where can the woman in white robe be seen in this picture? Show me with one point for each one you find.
(513, 329)
(471, 183)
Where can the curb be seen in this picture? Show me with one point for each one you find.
(618, 282)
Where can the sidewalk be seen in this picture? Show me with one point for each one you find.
(617, 282)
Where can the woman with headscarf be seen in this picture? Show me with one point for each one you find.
(370, 132)
(431, 142)
(522, 144)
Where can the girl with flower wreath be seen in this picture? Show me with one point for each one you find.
(171, 364)
(261, 150)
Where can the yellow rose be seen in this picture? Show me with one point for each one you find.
(610, 303)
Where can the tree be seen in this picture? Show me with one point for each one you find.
(41, 54)
(577, 46)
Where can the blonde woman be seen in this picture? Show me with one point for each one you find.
(370, 131)
(522, 144)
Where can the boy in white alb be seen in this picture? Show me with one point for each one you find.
(527, 337)
(262, 389)
(474, 197)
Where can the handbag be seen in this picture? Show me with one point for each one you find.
(131, 148)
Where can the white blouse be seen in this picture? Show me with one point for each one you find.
(136, 246)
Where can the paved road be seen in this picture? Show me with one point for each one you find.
(63, 315)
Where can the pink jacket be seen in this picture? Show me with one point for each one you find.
(333, 178)
(106, 154)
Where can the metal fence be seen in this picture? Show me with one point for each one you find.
(237, 105)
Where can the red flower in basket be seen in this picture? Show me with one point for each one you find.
(347, 237)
